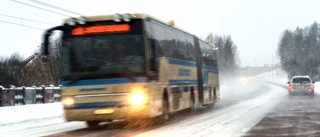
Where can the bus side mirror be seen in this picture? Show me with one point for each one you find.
(46, 37)
(45, 45)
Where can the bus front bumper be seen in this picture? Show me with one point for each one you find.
(107, 114)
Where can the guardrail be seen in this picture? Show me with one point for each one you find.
(14, 96)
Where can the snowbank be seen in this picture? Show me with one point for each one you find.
(17, 114)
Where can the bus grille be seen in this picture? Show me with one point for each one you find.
(100, 100)
(101, 95)
(176, 102)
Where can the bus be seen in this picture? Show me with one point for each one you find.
(132, 67)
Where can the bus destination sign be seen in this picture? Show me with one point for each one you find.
(82, 30)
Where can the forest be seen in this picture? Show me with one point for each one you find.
(299, 51)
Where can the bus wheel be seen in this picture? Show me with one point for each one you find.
(92, 123)
(211, 106)
(192, 102)
(165, 112)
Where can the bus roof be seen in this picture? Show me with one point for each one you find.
(122, 16)
(111, 17)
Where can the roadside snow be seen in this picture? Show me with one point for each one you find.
(35, 120)
(15, 118)
(16, 114)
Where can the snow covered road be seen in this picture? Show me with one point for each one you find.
(231, 121)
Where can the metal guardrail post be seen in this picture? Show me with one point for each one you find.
(39, 95)
(57, 94)
(30, 95)
(7, 98)
(18, 95)
(22, 93)
(49, 94)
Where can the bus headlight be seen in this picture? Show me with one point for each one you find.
(68, 101)
(138, 98)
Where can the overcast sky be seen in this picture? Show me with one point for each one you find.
(255, 26)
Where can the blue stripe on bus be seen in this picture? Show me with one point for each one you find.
(192, 64)
(211, 69)
(98, 105)
(103, 81)
(183, 63)
(178, 81)
(182, 89)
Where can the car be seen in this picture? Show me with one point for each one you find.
(301, 85)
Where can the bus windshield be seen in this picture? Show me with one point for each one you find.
(102, 56)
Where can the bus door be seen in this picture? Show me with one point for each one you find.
(199, 71)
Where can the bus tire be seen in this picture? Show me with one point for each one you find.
(92, 124)
(211, 106)
(192, 102)
(165, 109)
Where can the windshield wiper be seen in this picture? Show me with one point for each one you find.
(113, 72)
(90, 68)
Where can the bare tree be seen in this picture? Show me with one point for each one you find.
(31, 71)
(46, 73)
(11, 70)
(228, 61)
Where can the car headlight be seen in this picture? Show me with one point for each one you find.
(244, 81)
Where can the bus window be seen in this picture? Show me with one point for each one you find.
(208, 54)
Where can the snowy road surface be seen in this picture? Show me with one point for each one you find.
(240, 109)
(297, 116)
(230, 121)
